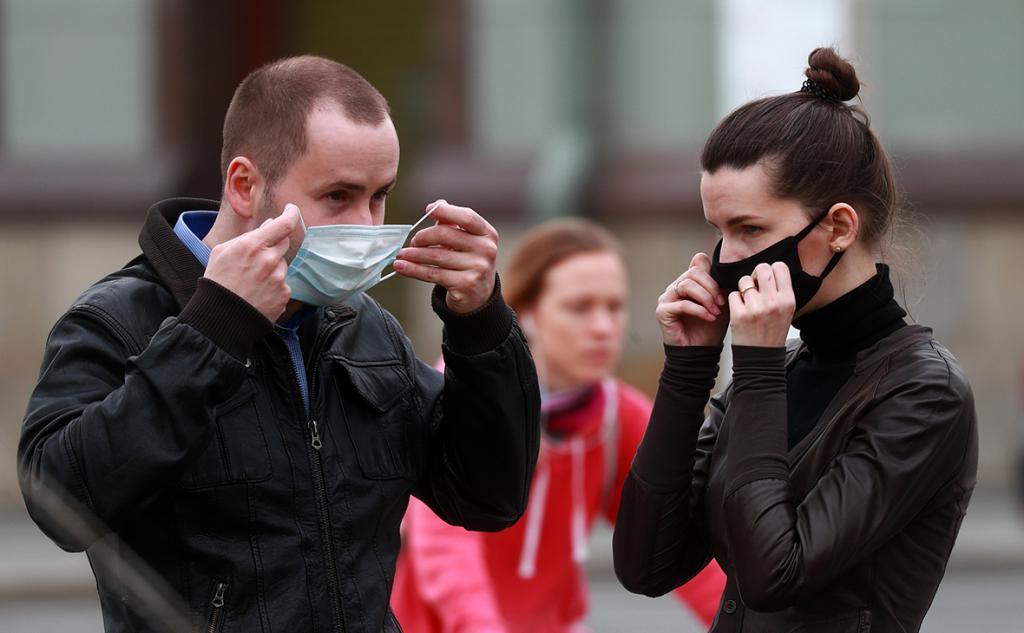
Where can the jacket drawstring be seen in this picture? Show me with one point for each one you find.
(534, 521)
(580, 551)
(539, 492)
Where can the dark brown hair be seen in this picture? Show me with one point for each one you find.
(543, 248)
(817, 149)
(266, 121)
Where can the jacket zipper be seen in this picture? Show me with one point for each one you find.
(320, 489)
(216, 607)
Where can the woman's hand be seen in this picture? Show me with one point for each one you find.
(692, 309)
(762, 310)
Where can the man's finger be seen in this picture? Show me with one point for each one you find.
(429, 274)
(272, 232)
(468, 219)
(445, 235)
(439, 257)
(281, 247)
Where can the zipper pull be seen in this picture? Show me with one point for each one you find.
(314, 432)
(218, 597)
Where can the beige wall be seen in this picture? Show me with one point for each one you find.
(42, 270)
(964, 284)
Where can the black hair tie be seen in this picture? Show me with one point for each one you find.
(815, 89)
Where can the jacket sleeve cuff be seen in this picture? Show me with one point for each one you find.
(663, 458)
(759, 409)
(231, 322)
(478, 331)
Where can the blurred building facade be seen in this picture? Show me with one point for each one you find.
(523, 109)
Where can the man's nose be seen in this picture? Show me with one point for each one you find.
(363, 213)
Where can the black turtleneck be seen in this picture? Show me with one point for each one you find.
(834, 335)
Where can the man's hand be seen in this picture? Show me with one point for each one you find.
(253, 267)
(459, 252)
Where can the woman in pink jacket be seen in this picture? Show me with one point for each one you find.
(567, 282)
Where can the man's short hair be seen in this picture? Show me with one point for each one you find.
(266, 120)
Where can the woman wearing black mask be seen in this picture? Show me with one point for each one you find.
(830, 477)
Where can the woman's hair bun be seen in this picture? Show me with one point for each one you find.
(833, 74)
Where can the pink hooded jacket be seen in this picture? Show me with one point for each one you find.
(529, 578)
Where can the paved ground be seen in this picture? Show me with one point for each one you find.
(44, 590)
(968, 601)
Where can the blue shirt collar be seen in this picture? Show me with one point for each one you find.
(192, 227)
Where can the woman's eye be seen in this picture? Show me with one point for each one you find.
(751, 230)
(336, 196)
(381, 195)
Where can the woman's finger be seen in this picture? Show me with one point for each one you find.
(698, 271)
(702, 262)
(737, 307)
(685, 308)
(782, 279)
(689, 288)
(765, 279)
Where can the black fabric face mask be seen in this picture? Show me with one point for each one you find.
(805, 286)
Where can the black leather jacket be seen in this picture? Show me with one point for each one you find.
(847, 532)
(169, 414)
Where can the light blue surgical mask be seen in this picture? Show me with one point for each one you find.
(336, 261)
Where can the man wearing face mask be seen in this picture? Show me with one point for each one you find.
(230, 409)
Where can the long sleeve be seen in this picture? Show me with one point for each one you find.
(903, 449)
(485, 434)
(112, 419)
(659, 541)
(703, 592)
(449, 574)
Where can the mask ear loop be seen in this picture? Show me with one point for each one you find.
(430, 210)
(834, 260)
(301, 220)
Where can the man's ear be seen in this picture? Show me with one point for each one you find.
(240, 186)
(844, 224)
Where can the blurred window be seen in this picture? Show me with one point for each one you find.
(660, 79)
(514, 72)
(55, 102)
(643, 73)
(944, 73)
